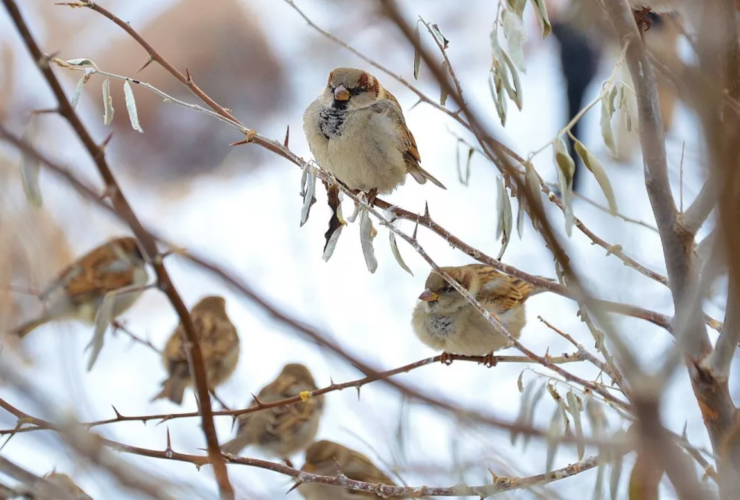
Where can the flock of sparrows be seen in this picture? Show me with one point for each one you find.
(357, 132)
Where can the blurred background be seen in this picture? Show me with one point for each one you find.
(241, 207)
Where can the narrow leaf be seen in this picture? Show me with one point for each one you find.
(566, 168)
(644, 479)
(107, 103)
(397, 254)
(82, 62)
(541, 13)
(575, 410)
(605, 122)
(336, 223)
(30, 169)
(443, 91)
(443, 41)
(467, 165)
(594, 165)
(504, 216)
(514, 91)
(520, 215)
(417, 52)
(308, 193)
(78, 91)
(533, 184)
(529, 420)
(367, 233)
(553, 435)
(515, 37)
(614, 477)
(131, 106)
(103, 318)
(596, 416)
(524, 406)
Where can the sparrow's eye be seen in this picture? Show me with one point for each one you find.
(447, 288)
(356, 91)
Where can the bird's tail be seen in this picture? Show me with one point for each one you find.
(30, 326)
(421, 176)
(173, 389)
(236, 445)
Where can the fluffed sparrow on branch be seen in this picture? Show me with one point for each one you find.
(357, 132)
(285, 430)
(324, 458)
(79, 290)
(444, 320)
(219, 343)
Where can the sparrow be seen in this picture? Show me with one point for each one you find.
(65, 483)
(285, 430)
(327, 458)
(79, 290)
(219, 343)
(444, 320)
(357, 132)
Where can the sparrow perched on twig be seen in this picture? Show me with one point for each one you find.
(79, 290)
(444, 319)
(283, 430)
(327, 458)
(219, 344)
(357, 132)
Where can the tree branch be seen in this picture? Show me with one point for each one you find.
(698, 212)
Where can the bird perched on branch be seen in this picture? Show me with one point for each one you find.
(79, 290)
(327, 458)
(219, 344)
(445, 320)
(283, 430)
(64, 483)
(357, 132)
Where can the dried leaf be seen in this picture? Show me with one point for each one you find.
(520, 382)
(594, 165)
(541, 13)
(532, 408)
(308, 191)
(644, 479)
(504, 216)
(78, 91)
(520, 215)
(417, 52)
(566, 168)
(82, 62)
(614, 477)
(513, 91)
(443, 91)
(397, 254)
(30, 169)
(596, 417)
(607, 111)
(516, 37)
(367, 233)
(443, 41)
(575, 410)
(553, 441)
(523, 407)
(599, 486)
(336, 223)
(103, 317)
(107, 103)
(133, 115)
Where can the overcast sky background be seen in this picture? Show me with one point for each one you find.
(249, 223)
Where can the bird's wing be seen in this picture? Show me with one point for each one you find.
(499, 290)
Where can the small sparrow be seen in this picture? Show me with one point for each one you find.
(285, 430)
(357, 132)
(444, 320)
(327, 458)
(64, 483)
(79, 290)
(219, 343)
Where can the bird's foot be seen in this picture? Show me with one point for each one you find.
(370, 196)
(489, 360)
(446, 358)
(643, 21)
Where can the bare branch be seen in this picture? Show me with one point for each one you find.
(724, 351)
(698, 212)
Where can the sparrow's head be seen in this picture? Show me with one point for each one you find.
(127, 248)
(441, 297)
(349, 88)
(211, 304)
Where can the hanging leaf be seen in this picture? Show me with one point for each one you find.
(107, 103)
(566, 168)
(367, 233)
(541, 13)
(532, 408)
(443, 41)
(599, 486)
(516, 37)
(532, 182)
(133, 115)
(417, 51)
(443, 91)
(397, 254)
(336, 223)
(595, 167)
(520, 215)
(553, 438)
(103, 317)
(596, 416)
(308, 191)
(575, 410)
(645, 479)
(81, 62)
(30, 168)
(503, 215)
(524, 406)
(78, 91)
(607, 111)
(614, 477)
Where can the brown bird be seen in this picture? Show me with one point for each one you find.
(285, 430)
(65, 483)
(325, 457)
(444, 320)
(219, 343)
(357, 132)
(79, 290)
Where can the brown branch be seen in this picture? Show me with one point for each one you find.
(148, 244)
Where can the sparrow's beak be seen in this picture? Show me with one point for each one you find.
(341, 93)
(428, 296)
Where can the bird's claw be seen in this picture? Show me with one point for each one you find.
(446, 359)
(489, 360)
(643, 21)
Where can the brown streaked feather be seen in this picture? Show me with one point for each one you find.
(411, 154)
(505, 291)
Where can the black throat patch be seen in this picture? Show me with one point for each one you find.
(331, 119)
